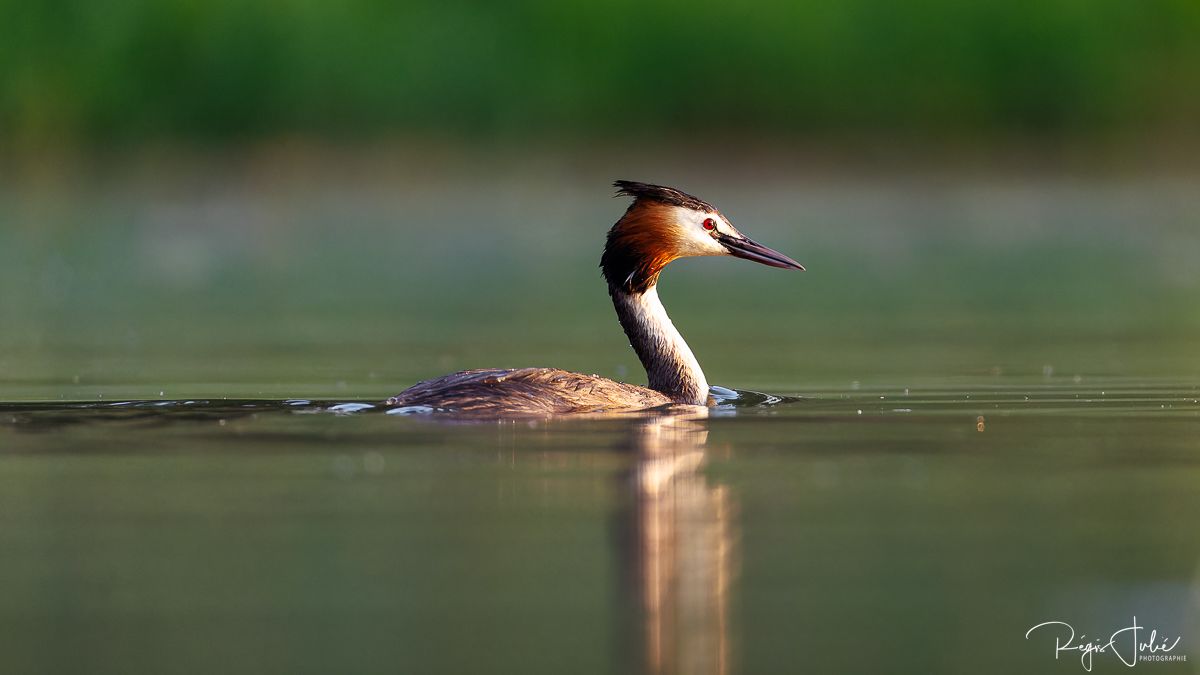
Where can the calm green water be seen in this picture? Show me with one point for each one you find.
(851, 531)
(996, 424)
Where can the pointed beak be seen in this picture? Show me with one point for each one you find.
(744, 247)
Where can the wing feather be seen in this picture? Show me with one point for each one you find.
(535, 391)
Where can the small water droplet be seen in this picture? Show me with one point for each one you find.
(411, 410)
(348, 408)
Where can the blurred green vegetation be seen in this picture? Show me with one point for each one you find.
(129, 70)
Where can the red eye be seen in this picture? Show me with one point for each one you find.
(710, 224)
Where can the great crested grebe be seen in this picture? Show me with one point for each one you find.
(661, 225)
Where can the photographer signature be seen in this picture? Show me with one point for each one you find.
(1123, 643)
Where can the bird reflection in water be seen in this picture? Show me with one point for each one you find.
(680, 549)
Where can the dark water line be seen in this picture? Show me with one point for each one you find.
(1177, 402)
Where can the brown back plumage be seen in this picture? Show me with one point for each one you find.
(527, 391)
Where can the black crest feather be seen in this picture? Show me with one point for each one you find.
(660, 193)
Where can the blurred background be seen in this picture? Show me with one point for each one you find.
(336, 199)
(996, 338)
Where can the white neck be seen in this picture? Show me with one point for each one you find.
(670, 365)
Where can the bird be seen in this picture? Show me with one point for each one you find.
(661, 224)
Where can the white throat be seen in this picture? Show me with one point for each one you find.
(671, 367)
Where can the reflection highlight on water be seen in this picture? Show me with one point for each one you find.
(683, 546)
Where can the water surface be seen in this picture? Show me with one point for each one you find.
(988, 418)
(882, 531)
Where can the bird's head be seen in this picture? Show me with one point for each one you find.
(663, 224)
